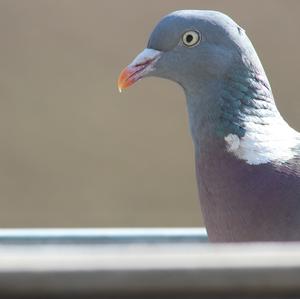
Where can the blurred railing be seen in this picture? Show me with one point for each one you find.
(102, 236)
(144, 264)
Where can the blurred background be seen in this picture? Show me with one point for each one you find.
(74, 152)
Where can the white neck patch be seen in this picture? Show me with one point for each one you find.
(264, 143)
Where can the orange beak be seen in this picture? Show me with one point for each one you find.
(141, 66)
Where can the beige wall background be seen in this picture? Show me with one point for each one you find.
(73, 151)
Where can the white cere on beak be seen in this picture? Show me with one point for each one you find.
(146, 55)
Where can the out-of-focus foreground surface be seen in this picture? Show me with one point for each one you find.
(73, 151)
(142, 263)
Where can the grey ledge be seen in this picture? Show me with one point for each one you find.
(142, 268)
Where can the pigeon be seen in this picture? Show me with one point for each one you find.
(247, 158)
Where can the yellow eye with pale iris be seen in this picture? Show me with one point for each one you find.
(191, 38)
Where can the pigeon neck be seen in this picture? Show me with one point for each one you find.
(203, 109)
(218, 108)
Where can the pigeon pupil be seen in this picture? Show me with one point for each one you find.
(189, 38)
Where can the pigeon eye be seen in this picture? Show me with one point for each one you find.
(191, 38)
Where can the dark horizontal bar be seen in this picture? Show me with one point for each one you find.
(150, 271)
(142, 263)
(100, 236)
